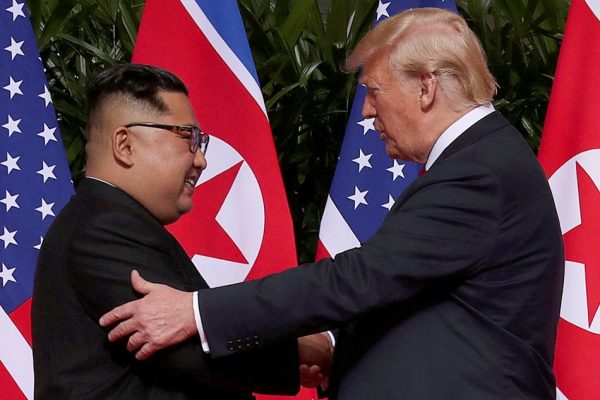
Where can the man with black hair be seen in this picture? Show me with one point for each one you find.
(145, 153)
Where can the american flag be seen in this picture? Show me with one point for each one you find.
(35, 184)
(366, 181)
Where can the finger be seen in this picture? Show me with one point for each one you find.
(303, 369)
(122, 330)
(314, 371)
(134, 342)
(310, 374)
(145, 351)
(140, 285)
(117, 314)
(305, 379)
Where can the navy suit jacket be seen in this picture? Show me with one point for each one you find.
(456, 296)
(84, 271)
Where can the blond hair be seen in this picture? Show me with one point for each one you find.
(435, 41)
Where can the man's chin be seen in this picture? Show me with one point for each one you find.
(185, 208)
(392, 153)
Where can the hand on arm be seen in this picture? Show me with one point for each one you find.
(162, 318)
(315, 355)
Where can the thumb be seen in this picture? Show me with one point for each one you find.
(140, 285)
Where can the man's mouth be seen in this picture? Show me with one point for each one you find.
(190, 182)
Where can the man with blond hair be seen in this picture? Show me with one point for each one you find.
(457, 295)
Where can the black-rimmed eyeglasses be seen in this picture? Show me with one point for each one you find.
(198, 138)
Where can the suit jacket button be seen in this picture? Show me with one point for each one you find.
(230, 345)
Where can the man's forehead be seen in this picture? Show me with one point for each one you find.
(373, 71)
(180, 107)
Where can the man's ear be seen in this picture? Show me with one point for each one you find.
(122, 148)
(428, 83)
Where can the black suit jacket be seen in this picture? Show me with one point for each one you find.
(456, 296)
(84, 271)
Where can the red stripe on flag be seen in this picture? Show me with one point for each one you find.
(9, 389)
(321, 251)
(577, 360)
(21, 317)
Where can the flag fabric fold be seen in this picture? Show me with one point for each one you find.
(35, 183)
(240, 226)
(366, 181)
(570, 155)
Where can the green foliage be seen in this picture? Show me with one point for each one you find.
(299, 47)
(522, 39)
(77, 40)
(299, 52)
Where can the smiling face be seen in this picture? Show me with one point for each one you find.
(163, 165)
(397, 108)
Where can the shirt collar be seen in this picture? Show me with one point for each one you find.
(100, 180)
(455, 130)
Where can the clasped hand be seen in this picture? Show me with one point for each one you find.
(315, 355)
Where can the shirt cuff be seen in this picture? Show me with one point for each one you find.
(332, 338)
(199, 323)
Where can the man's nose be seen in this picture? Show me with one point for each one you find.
(199, 160)
(368, 111)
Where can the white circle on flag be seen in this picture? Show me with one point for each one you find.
(595, 7)
(564, 185)
(242, 216)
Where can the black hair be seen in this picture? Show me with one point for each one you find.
(135, 82)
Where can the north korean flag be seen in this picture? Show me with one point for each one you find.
(240, 226)
(570, 155)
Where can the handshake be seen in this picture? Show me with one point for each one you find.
(315, 353)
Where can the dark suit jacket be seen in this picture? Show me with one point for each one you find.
(456, 296)
(84, 271)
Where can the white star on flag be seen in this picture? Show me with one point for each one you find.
(389, 204)
(358, 197)
(7, 275)
(12, 125)
(47, 171)
(8, 237)
(367, 124)
(47, 134)
(396, 170)
(46, 96)
(15, 48)
(39, 245)
(14, 87)
(11, 163)
(382, 10)
(16, 9)
(10, 201)
(45, 209)
(363, 160)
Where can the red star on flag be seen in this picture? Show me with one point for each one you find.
(579, 247)
(198, 231)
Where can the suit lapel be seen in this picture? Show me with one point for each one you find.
(488, 124)
(118, 198)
